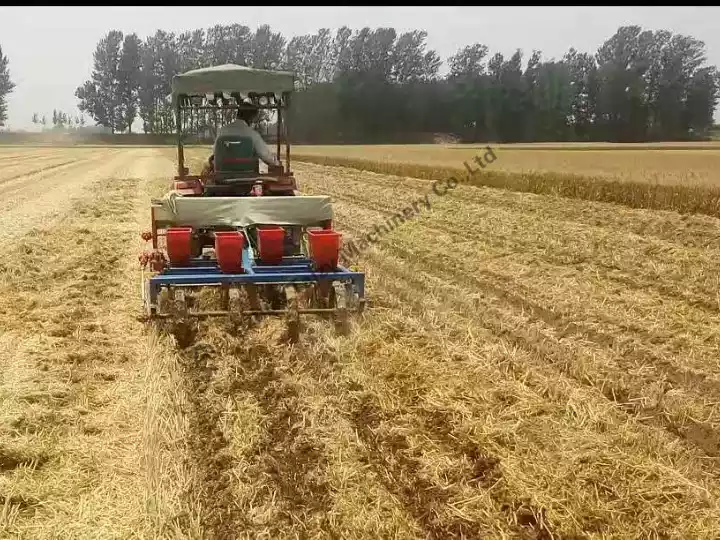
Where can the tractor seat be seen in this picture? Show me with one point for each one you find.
(236, 154)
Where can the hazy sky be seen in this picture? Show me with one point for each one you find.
(50, 48)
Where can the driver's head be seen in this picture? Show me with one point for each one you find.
(248, 113)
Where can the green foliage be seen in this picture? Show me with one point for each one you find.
(128, 83)
(378, 85)
(100, 97)
(6, 86)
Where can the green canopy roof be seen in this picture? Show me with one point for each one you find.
(232, 78)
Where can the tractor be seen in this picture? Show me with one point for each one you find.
(249, 235)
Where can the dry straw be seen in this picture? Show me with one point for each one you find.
(531, 368)
(654, 196)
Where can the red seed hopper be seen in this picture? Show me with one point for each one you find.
(288, 269)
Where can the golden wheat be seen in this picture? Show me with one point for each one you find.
(694, 198)
(664, 163)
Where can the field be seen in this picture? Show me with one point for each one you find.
(665, 163)
(531, 367)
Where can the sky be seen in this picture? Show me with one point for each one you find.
(50, 48)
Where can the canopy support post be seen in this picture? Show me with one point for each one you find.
(181, 153)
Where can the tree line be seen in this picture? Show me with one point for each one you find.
(378, 85)
(640, 85)
(60, 120)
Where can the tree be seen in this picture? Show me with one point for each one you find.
(266, 48)
(647, 84)
(702, 98)
(159, 63)
(410, 61)
(128, 82)
(99, 96)
(6, 86)
(35, 119)
(583, 80)
(469, 86)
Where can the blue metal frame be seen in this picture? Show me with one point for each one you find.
(291, 270)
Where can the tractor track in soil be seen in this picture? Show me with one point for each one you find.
(287, 464)
(281, 454)
(391, 457)
(286, 457)
(207, 449)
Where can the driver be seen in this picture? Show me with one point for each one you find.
(241, 127)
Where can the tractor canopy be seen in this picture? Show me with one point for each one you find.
(305, 210)
(231, 78)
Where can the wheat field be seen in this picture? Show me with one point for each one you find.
(664, 163)
(530, 366)
(673, 176)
